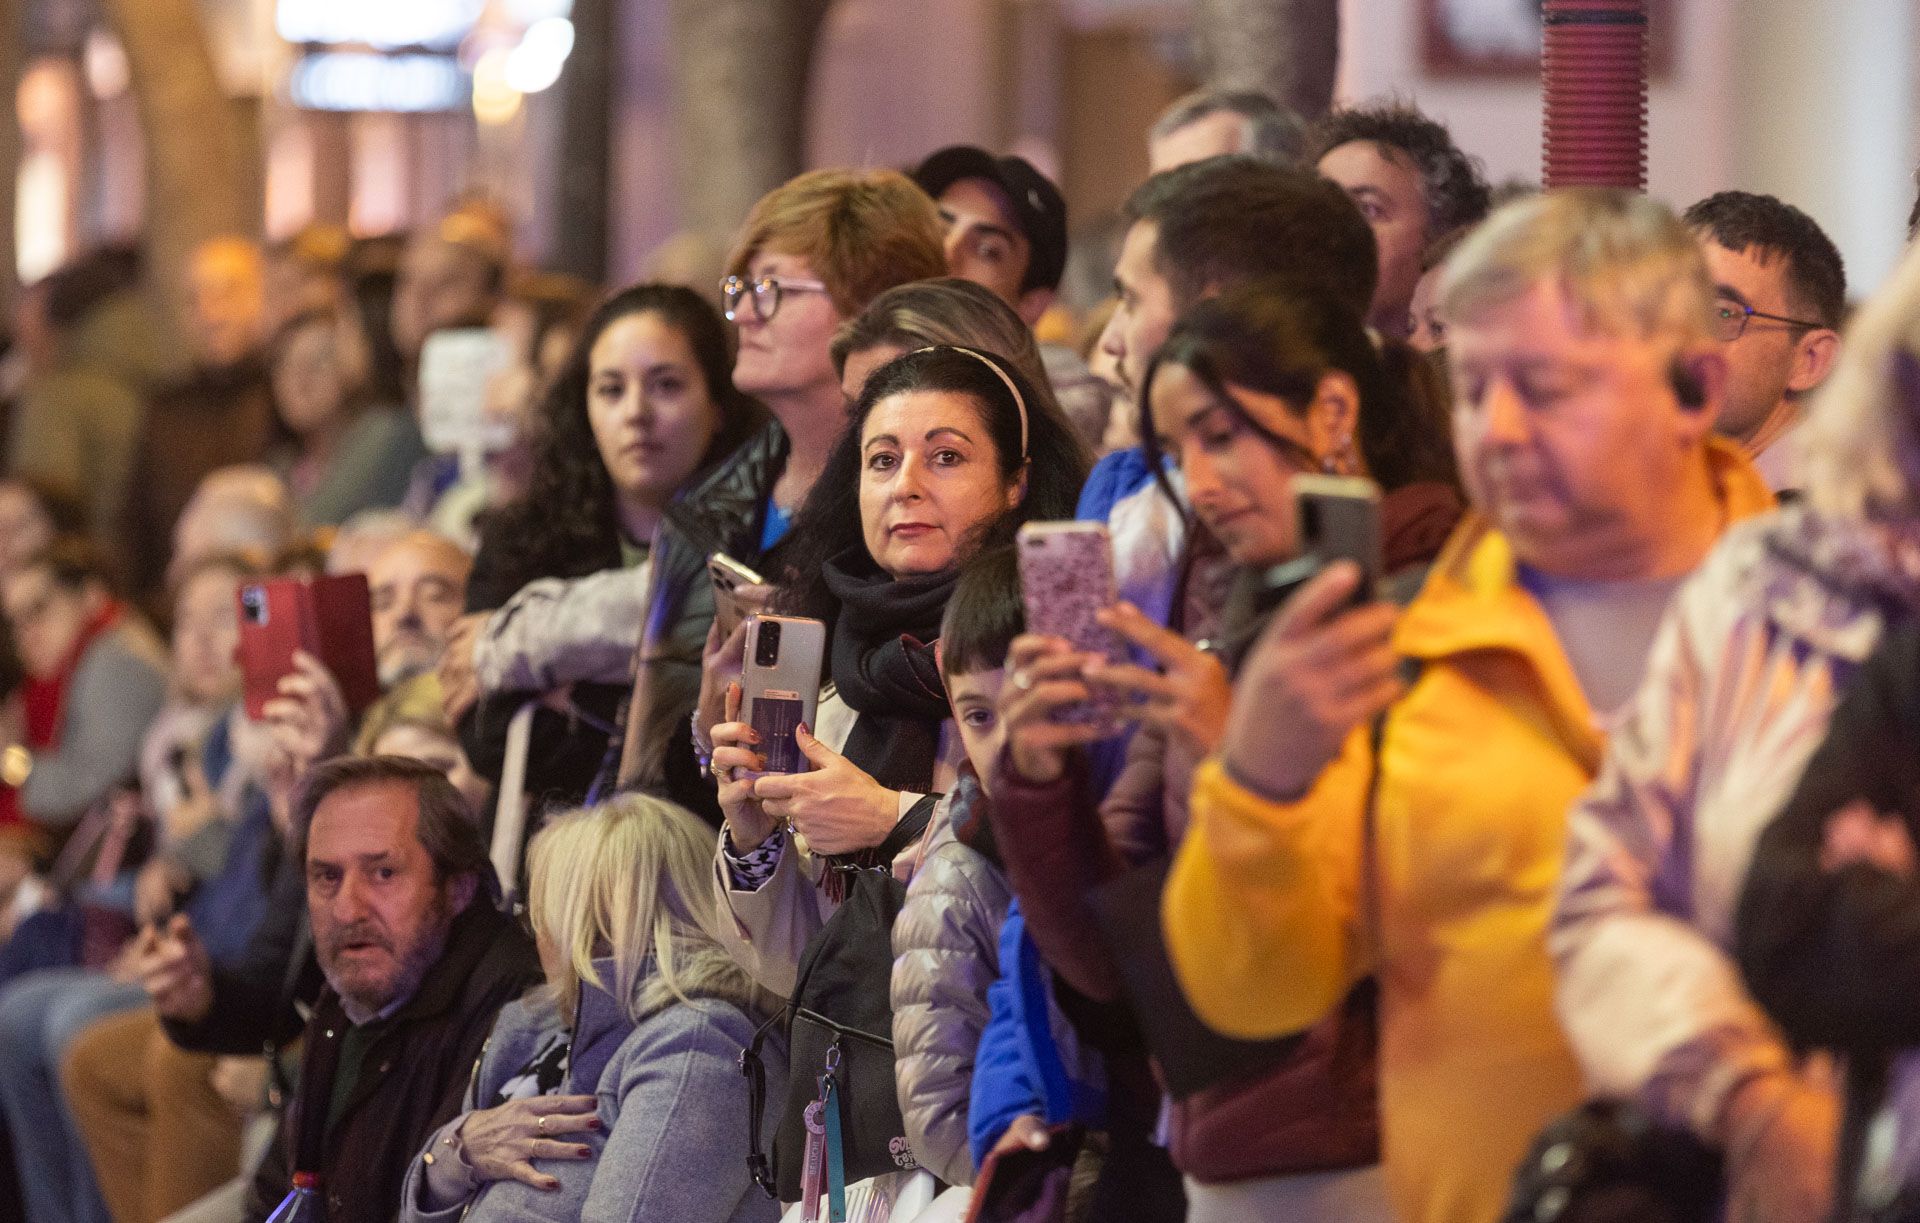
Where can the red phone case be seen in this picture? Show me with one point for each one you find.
(330, 618)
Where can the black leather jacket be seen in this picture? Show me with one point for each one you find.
(726, 512)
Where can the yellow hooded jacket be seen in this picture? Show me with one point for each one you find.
(1268, 916)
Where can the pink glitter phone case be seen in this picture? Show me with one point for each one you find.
(1066, 576)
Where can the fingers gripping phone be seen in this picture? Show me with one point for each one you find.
(1066, 577)
(729, 575)
(1337, 518)
(780, 685)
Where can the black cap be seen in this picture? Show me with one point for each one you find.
(1037, 203)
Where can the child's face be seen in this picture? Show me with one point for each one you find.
(975, 697)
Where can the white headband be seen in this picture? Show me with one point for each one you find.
(1019, 402)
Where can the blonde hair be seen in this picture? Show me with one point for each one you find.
(1861, 442)
(627, 880)
(1626, 261)
(862, 231)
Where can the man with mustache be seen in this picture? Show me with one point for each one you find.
(417, 961)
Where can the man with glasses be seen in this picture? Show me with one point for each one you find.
(1780, 293)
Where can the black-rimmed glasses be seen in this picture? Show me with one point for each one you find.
(1730, 319)
(767, 292)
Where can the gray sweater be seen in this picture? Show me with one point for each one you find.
(672, 1100)
(116, 693)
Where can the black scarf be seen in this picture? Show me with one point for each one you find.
(883, 665)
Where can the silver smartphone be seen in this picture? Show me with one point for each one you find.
(780, 685)
(729, 575)
(1066, 576)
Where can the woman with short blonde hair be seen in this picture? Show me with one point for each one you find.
(614, 1090)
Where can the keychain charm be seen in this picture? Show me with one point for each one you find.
(813, 1165)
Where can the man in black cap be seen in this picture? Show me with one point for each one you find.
(1007, 231)
(1006, 224)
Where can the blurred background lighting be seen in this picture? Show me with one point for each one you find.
(495, 100)
(535, 64)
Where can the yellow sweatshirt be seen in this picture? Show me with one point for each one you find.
(1268, 926)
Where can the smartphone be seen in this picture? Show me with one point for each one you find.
(727, 576)
(330, 618)
(780, 685)
(1338, 518)
(1066, 577)
(1021, 1181)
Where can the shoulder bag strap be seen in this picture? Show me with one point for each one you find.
(759, 1162)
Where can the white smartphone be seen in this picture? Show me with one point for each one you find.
(1066, 576)
(780, 685)
(727, 576)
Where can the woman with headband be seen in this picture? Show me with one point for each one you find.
(946, 452)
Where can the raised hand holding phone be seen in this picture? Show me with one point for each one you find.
(1320, 669)
(1189, 695)
(835, 805)
(736, 762)
(175, 970)
(1046, 678)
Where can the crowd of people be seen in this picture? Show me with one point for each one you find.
(1561, 869)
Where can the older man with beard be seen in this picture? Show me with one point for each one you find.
(417, 962)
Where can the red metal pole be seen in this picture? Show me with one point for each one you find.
(1593, 72)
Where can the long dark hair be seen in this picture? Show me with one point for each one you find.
(828, 523)
(1281, 339)
(566, 525)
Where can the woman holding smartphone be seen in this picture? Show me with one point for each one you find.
(645, 403)
(1252, 388)
(947, 451)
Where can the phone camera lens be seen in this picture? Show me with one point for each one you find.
(766, 651)
(253, 601)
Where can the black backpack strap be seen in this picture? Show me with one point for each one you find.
(908, 830)
(759, 1163)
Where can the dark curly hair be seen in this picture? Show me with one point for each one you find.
(1281, 338)
(828, 523)
(1816, 275)
(1453, 184)
(565, 526)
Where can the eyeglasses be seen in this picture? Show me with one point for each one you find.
(1730, 319)
(766, 292)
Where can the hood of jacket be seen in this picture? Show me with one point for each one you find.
(601, 1024)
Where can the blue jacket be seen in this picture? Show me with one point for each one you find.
(226, 909)
(1020, 1068)
(1115, 477)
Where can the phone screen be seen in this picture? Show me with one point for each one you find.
(776, 715)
